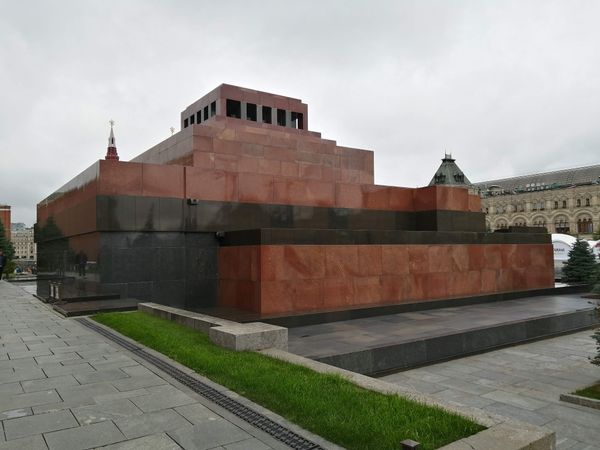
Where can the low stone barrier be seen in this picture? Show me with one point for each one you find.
(225, 333)
(581, 401)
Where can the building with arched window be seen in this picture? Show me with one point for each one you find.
(564, 201)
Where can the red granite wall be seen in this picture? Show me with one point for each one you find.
(275, 279)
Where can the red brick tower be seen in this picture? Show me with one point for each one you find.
(111, 151)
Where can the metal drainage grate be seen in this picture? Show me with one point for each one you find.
(245, 413)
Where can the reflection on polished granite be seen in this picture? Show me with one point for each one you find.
(317, 341)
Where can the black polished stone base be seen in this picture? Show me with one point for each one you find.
(420, 352)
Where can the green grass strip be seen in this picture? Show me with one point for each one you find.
(325, 404)
(590, 392)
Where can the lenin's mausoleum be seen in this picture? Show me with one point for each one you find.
(244, 207)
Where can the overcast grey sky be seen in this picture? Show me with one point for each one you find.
(509, 87)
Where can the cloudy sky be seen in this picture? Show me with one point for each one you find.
(509, 87)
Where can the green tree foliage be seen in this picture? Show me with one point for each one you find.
(581, 266)
(596, 336)
(7, 247)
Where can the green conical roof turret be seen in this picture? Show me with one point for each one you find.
(449, 174)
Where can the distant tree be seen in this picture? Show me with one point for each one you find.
(596, 336)
(7, 247)
(581, 266)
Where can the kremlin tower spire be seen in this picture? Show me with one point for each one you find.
(111, 151)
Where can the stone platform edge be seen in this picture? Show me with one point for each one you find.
(501, 433)
(222, 332)
(581, 401)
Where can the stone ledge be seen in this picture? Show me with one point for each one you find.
(249, 336)
(225, 333)
(581, 401)
(501, 434)
(190, 319)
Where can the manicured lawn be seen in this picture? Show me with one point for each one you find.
(327, 405)
(590, 392)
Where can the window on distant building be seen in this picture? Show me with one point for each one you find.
(564, 203)
(266, 114)
(251, 112)
(233, 108)
(213, 109)
(578, 202)
(585, 225)
(562, 225)
(205, 111)
(199, 117)
(281, 117)
(192, 118)
(587, 202)
(555, 205)
(185, 123)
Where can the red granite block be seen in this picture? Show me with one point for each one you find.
(375, 197)
(369, 260)
(505, 280)
(440, 258)
(349, 176)
(341, 261)
(255, 188)
(308, 157)
(452, 198)
(211, 184)
(271, 262)
(269, 166)
(492, 255)
(248, 164)
(519, 278)
(226, 162)
(476, 257)
(303, 262)
(252, 137)
(227, 293)
(394, 288)
(275, 297)
(460, 258)
(328, 174)
(394, 259)
(306, 295)
(304, 192)
(280, 153)
(515, 256)
(417, 283)
(365, 177)
(119, 178)
(488, 281)
(539, 277)
(247, 149)
(474, 203)
(425, 198)
(461, 284)
(418, 259)
(289, 169)
(401, 199)
(367, 290)
(204, 160)
(337, 292)
(310, 171)
(541, 255)
(202, 143)
(226, 147)
(348, 196)
(437, 285)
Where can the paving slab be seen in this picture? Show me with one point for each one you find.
(71, 388)
(89, 436)
(38, 424)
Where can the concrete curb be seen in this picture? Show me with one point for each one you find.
(581, 401)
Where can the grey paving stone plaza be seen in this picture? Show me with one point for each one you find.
(65, 387)
(523, 383)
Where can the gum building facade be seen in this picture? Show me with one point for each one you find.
(247, 208)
